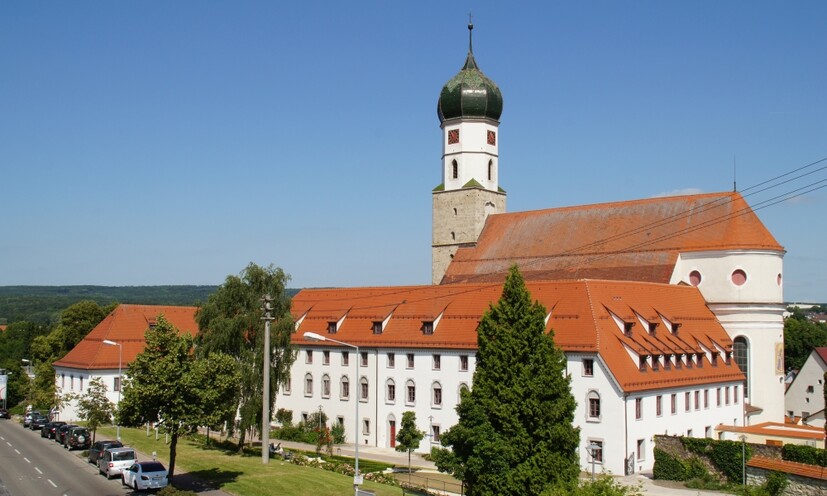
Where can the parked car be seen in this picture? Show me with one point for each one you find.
(27, 419)
(115, 460)
(97, 449)
(77, 438)
(60, 433)
(4, 413)
(37, 422)
(145, 475)
(48, 430)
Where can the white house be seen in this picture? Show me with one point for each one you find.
(93, 357)
(644, 359)
(805, 396)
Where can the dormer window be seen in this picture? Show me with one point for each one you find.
(675, 327)
(714, 358)
(627, 328)
(652, 327)
(331, 328)
(377, 327)
(642, 363)
(700, 359)
(667, 362)
(678, 360)
(152, 323)
(656, 362)
(428, 327)
(728, 357)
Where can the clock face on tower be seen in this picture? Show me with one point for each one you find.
(492, 138)
(453, 136)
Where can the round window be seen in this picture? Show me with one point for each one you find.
(694, 278)
(739, 277)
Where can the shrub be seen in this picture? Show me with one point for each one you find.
(603, 485)
(724, 455)
(668, 467)
(804, 454)
(338, 433)
(776, 483)
(284, 416)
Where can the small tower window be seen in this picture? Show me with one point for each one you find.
(454, 169)
(490, 170)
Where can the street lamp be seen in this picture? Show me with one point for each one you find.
(120, 379)
(312, 336)
(593, 448)
(267, 307)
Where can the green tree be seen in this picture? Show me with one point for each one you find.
(408, 437)
(167, 383)
(230, 322)
(515, 434)
(801, 337)
(94, 407)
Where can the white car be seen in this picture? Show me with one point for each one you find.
(145, 475)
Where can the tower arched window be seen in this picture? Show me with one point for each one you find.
(740, 347)
(454, 169)
(490, 170)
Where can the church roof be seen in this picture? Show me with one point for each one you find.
(631, 240)
(587, 316)
(126, 325)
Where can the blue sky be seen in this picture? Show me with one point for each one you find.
(148, 143)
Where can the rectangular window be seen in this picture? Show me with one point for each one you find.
(325, 357)
(726, 395)
(697, 400)
(345, 358)
(364, 388)
(308, 356)
(735, 394)
(117, 385)
(366, 427)
(308, 386)
(304, 416)
(326, 387)
(659, 405)
(588, 367)
(463, 363)
(427, 328)
(71, 383)
(674, 404)
(594, 408)
(437, 396)
(708, 432)
(689, 433)
(410, 360)
(435, 433)
(437, 362)
(706, 398)
(340, 420)
(287, 388)
(391, 360)
(810, 389)
(331, 328)
(345, 389)
(411, 394)
(81, 382)
(595, 449)
(687, 401)
(364, 358)
(638, 408)
(391, 392)
(377, 327)
(641, 449)
(718, 397)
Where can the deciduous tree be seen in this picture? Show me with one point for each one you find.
(408, 437)
(515, 434)
(168, 384)
(230, 322)
(94, 406)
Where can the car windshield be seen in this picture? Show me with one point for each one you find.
(123, 455)
(152, 467)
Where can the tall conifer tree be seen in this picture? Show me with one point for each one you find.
(515, 434)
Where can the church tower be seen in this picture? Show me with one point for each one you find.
(469, 110)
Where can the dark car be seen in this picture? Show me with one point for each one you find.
(38, 421)
(4, 413)
(60, 433)
(48, 430)
(77, 438)
(99, 447)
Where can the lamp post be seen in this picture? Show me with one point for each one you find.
(267, 301)
(592, 449)
(120, 379)
(312, 336)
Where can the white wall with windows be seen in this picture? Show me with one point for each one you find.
(76, 382)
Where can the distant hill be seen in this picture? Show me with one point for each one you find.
(43, 304)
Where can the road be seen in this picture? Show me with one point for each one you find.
(32, 465)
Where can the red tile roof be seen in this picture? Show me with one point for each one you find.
(822, 352)
(581, 317)
(125, 325)
(633, 240)
(800, 469)
(778, 429)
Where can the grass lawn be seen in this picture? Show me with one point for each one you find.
(245, 474)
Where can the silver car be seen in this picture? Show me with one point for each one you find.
(114, 461)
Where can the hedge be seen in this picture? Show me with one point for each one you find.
(804, 454)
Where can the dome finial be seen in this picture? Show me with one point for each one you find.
(470, 32)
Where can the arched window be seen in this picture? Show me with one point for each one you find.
(740, 347)
(593, 405)
(436, 395)
(410, 393)
(363, 389)
(390, 391)
(344, 388)
(308, 385)
(325, 386)
(490, 170)
(454, 169)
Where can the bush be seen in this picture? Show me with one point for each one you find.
(668, 467)
(776, 483)
(724, 455)
(338, 433)
(603, 485)
(804, 454)
(284, 417)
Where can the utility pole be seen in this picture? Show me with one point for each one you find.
(265, 391)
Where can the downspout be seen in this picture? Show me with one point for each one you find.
(376, 401)
(625, 429)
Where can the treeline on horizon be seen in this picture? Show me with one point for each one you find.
(43, 304)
